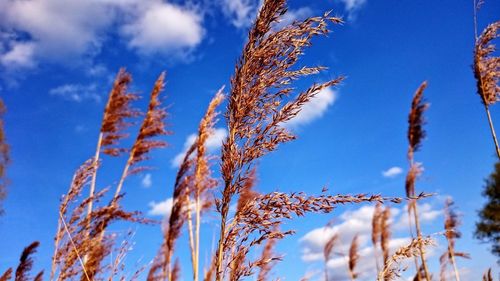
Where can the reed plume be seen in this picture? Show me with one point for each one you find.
(328, 250)
(385, 233)
(114, 122)
(80, 243)
(258, 88)
(376, 230)
(151, 127)
(267, 256)
(261, 217)
(487, 276)
(193, 179)
(415, 136)
(4, 157)
(353, 257)
(451, 224)
(391, 269)
(487, 69)
(39, 276)
(203, 182)
(6, 275)
(26, 262)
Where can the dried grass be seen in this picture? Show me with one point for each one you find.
(391, 270)
(487, 68)
(451, 224)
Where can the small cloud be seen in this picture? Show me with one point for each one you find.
(214, 142)
(97, 70)
(19, 56)
(352, 7)
(164, 28)
(163, 208)
(80, 129)
(241, 13)
(147, 181)
(392, 172)
(77, 92)
(314, 109)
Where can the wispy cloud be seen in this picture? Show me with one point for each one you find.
(392, 172)
(352, 7)
(213, 142)
(315, 109)
(77, 92)
(147, 181)
(241, 13)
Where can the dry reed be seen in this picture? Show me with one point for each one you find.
(391, 270)
(328, 251)
(258, 88)
(6, 275)
(376, 230)
(385, 233)
(114, 122)
(451, 224)
(487, 68)
(415, 136)
(353, 257)
(487, 276)
(26, 262)
(193, 179)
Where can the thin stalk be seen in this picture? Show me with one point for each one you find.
(410, 224)
(191, 239)
(74, 247)
(56, 245)
(58, 237)
(492, 128)
(94, 175)
(224, 212)
(375, 252)
(124, 174)
(326, 270)
(451, 252)
(421, 248)
(197, 237)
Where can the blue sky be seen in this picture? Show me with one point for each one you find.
(58, 59)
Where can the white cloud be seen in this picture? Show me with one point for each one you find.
(314, 109)
(77, 92)
(73, 32)
(241, 13)
(163, 208)
(59, 29)
(352, 7)
(392, 172)
(358, 222)
(214, 142)
(164, 28)
(20, 55)
(147, 181)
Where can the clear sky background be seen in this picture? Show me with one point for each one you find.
(58, 59)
